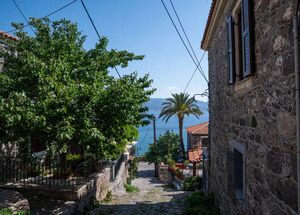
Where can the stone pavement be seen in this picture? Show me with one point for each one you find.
(153, 198)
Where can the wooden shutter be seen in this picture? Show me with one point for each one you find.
(230, 44)
(247, 57)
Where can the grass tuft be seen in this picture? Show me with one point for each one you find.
(130, 188)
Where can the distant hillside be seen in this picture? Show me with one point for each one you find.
(154, 105)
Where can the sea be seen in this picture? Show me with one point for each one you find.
(146, 133)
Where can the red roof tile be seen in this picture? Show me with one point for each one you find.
(195, 155)
(198, 129)
(8, 36)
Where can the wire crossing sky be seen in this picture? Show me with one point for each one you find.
(139, 26)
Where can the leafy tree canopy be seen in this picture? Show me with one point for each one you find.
(167, 148)
(53, 89)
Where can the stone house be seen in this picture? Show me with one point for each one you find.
(5, 39)
(197, 136)
(252, 108)
(197, 143)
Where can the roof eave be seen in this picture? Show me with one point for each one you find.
(216, 12)
(7, 36)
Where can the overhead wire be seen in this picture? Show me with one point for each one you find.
(24, 17)
(147, 131)
(191, 78)
(169, 15)
(90, 18)
(95, 28)
(188, 40)
(50, 14)
(193, 74)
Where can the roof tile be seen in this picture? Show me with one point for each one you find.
(8, 36)
(198, 129)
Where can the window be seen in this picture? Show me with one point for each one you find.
(236, 172)
(240, 42)
(205, 141)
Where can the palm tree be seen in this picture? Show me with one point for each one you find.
(180, 105)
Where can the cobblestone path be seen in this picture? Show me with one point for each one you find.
(153, 198)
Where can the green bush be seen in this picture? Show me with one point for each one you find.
(73, 158)
(130, 188)
(133, 169)
(108, 197)
(199, 204)
(192, 183)
(8, 211)
(166, 148)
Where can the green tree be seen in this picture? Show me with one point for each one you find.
(54, 89)
(180, 105)
(167, 147)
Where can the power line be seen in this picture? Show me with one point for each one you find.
(190, 80)
(188, 40)
(59, 9)
(193, 74)
(50, 14)
(17, 6)
(181, 38)
(145, 136)
(91, 20)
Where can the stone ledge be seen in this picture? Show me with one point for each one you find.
(13, 200)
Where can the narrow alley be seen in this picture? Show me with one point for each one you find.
(153, 197)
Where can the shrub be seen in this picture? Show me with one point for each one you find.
(133, 169)
(74, 159)
(130, 188)
(179, 174)
(8, 211)
(192, 183)
(199, 204)
(166, 148)
(171, 163)
(108, 197)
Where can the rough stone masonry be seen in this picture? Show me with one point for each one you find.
(260, 116)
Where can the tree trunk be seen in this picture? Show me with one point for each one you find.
(181, 138)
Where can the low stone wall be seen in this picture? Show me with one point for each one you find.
(95, 189)
(102, 186)
(13, 200)
(118, 185)
(164, 174)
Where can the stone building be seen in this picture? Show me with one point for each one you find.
(253, 168)
(197, 136)
(5, 39)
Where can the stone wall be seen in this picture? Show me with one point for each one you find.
(164, 174)
(260, 117)
(13, 200)
(75, 200)
(195, 140)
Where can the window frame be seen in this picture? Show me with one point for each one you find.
(240, 73)
(240, 195)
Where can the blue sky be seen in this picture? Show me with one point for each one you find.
(139, 26)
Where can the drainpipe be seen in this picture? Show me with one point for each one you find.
(297, 85)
